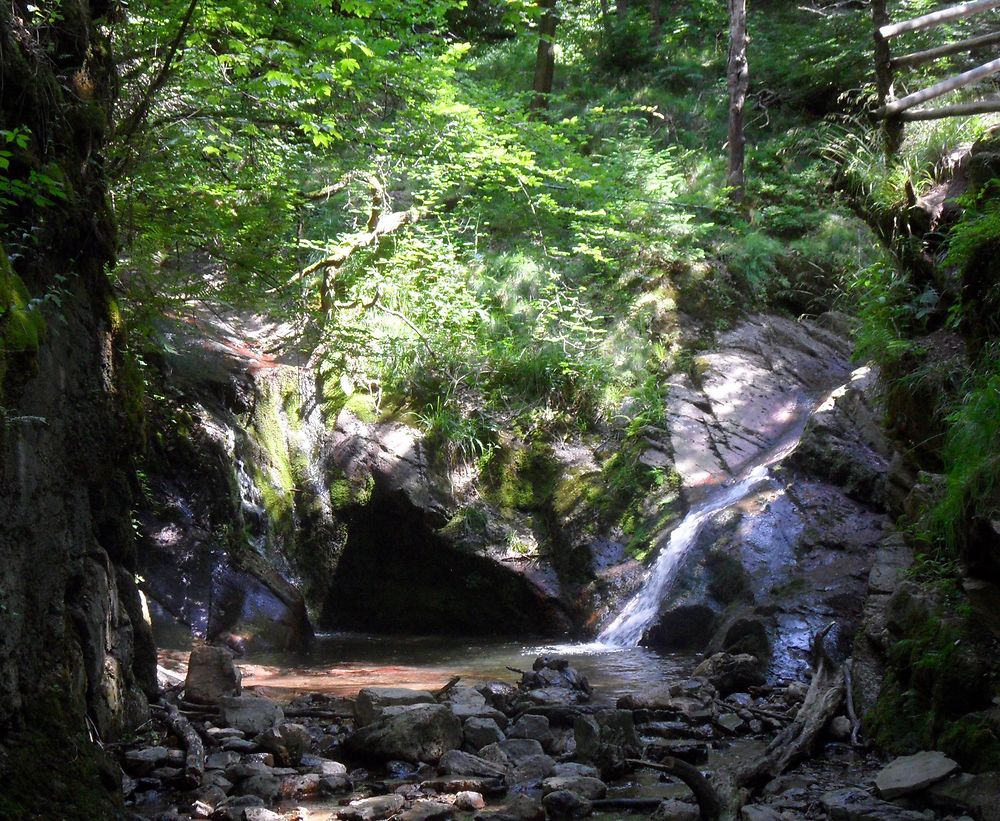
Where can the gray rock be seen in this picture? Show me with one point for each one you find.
(469, 801)
(144, 761)
(300, 786)
(372, 701)
(239, 745)
(533, 769)
(287, 742)
(913, 773)
(378, 807)
(674, 810)
(427, 810)
(221, 760)
(420, 732)
(263, 784)
(563, 804)
(840, 728)
(250, 714)
(573, 768)
(333, 784)
(589, 788)
(478, 732)
(519, 807)
(512, 751)
(976, 794)
(729, 673)
(533, 726)
(326, 766)
(261, 814)
(455, 762)
(852, 804)
(211, 675)
(730, 722)
(759, 812)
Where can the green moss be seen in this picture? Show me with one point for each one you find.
(341, 494)
(728, 580)
(363, 406)
(579, 487)
(934, 678)
(523, 478)
(51, 770)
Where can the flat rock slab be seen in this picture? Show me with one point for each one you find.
(913, 773)
(852, 804)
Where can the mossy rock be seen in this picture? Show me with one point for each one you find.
(523, 478)
(728, 580)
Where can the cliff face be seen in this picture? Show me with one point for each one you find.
(76, 657)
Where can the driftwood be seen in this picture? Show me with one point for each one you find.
(316, 712)
(439, 694)
(708, 800)
(796, 741)
(194, 759)
(757, 711)
(852, 714)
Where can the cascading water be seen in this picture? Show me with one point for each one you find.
(627, 627)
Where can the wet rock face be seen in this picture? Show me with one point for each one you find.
(765, 574)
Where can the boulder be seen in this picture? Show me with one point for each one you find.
(415, 733)
(479, 732)
(287, 742)
(532, 770)
(913, 773)
(974, 794)
(852, 804)
(533, 726)
(674, 810)
(520, 807)
(512, 751)
(572, 768)
(589, 788)
(760, 812)
(143, 761)
(372, 701)
(455, 762)
(731, 674)
(563, 804)
(263, 784)
(377, 807)
(249, 714)
(212, 675)
(261, 814)
(606, 739)
(427, 810)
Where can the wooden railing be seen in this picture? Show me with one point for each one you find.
(896, 112)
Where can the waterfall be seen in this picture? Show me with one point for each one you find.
(627, 627)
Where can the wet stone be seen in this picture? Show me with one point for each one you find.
(563, 804)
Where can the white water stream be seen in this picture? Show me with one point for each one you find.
(627, 627)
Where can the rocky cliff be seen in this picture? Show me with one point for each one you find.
(76, 656)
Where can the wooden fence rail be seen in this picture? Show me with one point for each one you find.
(896, 112)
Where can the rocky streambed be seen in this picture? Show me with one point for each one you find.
(541, 744)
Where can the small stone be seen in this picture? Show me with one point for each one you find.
(730, 722)
(219, 761)
(913, 773)
(239, 745)
(455, 762)
(563, 805)
(250, 714)
(261, 814)
(288, 742)
(263, 785)
(302, 785)
(333, 784)
(427, 811)
(199, 809)
(144, 761)
(840, 728)
(758, 812)
(469, 801)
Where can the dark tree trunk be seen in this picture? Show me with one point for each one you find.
(656, 12)
(739, 81)
(883, 77)
(545, 60)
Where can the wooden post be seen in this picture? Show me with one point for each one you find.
(738, 77)
(883, 76)
(545, 59)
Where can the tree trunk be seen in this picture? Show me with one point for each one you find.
(545, 61)
(605, 16)
(739, 82)
(656, 12)
(883, 76)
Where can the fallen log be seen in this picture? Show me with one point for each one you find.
(316, 712)
(797, 740)
(708, 800)
(194, 759)
(439, 694)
